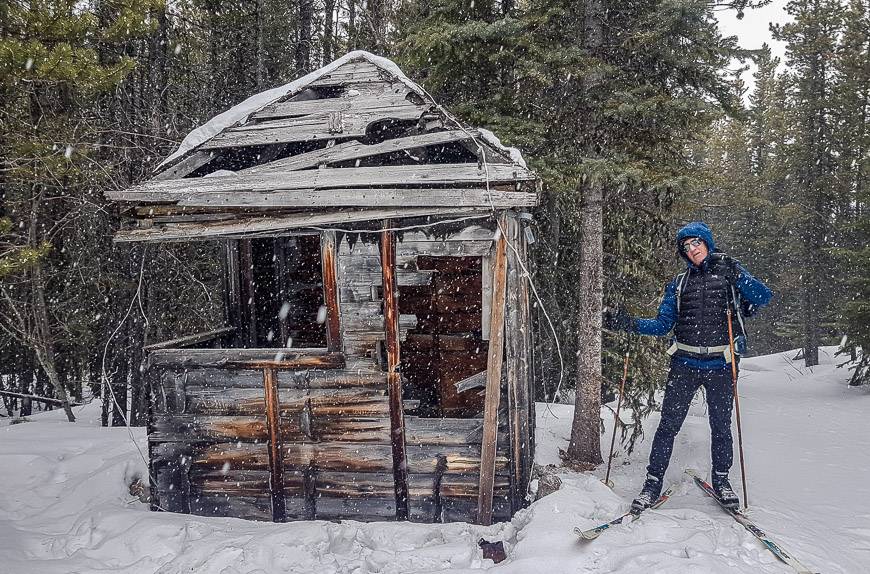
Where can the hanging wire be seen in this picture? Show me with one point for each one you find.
(107, 385)
(526, 273)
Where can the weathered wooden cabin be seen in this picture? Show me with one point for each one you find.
(375, 362)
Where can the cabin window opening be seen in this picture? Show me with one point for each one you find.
(447, 345)
(287, 293)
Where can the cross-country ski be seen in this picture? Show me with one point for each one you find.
(630, 516)
(744, 521)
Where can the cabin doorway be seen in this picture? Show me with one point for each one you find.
(447, 346)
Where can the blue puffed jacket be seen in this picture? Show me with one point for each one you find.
(751, 290)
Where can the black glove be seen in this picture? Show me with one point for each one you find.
(726, 266)
(616, 320)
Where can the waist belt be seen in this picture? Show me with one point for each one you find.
(724, 350)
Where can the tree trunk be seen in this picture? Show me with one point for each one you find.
(303, 43)
(42, 342)
(328, 23)
(585, 446)
(351, 25)
(376, 16)
(584, 450)
(261, 46)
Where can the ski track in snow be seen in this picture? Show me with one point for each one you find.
(64, 506)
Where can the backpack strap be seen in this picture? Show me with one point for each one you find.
(681, 280)
(736, 300)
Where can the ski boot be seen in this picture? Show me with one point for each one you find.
(723, 490)
(651, 491)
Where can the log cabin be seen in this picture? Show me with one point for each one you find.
(375, 362)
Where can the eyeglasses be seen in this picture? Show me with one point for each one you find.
(696, 242)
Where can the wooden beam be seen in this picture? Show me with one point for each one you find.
(354, 70)
(516, 358)
(185, 166)
(276, 459)
(326, 125)
(493, 383)
(526, 390)
(232, 288)
(188, 340)
(224, 358)
(327, 361)
(248, 299)
(356, 150)
(360, 198)
(394, 380)
(268, 226)
(346, 103)
(347, 177)
(329, 267)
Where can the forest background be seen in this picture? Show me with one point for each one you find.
(631, 108)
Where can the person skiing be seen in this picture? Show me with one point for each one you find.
(695, 306)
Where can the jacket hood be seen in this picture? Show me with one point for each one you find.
(695, 229)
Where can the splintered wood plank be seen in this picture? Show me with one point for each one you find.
(516, 359)
(348, 177)
(352, 376)
(230, 357)
(360, 103)
(266, 226)
(351, 72)
(276, 460)
(188, 340)
(355, 150)
(330, 290)
(359, 457)
(186, 166)
(326, 125)
(493, 381)
(366, 197)
(394, 381)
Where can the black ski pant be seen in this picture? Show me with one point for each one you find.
(683, 381)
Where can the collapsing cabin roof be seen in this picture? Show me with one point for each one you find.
(389, 151)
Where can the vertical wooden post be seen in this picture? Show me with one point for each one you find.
(516, 326)
(527, 360)
(232, 292)
(493, 382)
(247, 299)
(394, 380)
(281, 289)
(328, 261)
(276, 457)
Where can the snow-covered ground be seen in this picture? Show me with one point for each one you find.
(64, 505)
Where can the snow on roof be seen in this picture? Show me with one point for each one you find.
(240, 112)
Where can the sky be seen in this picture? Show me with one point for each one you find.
(754, 30)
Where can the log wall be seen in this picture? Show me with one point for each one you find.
(306, 433)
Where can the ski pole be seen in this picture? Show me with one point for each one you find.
(737, 408)
(616, 419)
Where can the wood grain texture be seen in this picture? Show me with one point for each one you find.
(348, 177)
(355, 150)
(493, 381)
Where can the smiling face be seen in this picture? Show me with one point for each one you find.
(695, 249)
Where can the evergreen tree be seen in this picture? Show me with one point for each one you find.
(810, 47)
(50, 68)
(602, 98)
(852, 212)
